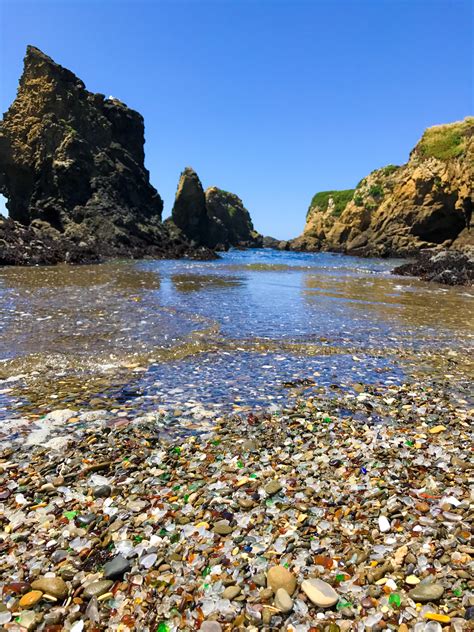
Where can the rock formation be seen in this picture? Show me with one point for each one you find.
(450, 267)
(189, 211)
(425, 203)
(213, 218)
(72, 168)
(228, 212)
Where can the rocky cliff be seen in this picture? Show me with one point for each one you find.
(72, 170)
(213, 218)
(400, 210)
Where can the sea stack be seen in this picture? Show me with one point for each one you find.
(72, 168)
(213, 218)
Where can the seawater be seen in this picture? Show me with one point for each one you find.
(249, 330)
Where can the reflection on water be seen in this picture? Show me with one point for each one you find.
(400, 302)
(221, 320)
(197, 282)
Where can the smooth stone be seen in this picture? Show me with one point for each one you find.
(30, 599)
(384, 524)
(249, 445)
(426, 592)
(210, 626)
(59, 556)
(260, 580)
(231, 592)
(469, 614)
(116, 568)
(103, 491)
(222, 528)
(246, 503)
(54, 586)
(281, 577)
(320, 593)
(283, 601)
(98, 588)
(86, 519)
(272, 488)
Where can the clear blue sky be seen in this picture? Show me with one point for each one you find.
(272, 99)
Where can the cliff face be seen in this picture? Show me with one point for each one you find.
(73, 162)
(213, 218)
(399, 210)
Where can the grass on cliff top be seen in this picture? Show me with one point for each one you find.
(341, 199)
(446, 141)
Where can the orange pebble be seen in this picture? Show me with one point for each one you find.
(434, 616)
(31, 598)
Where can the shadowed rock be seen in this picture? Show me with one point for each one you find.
(189, 211)
(449, 267)
(212, 218)
(74, 162)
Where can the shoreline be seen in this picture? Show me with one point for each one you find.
(193, 521)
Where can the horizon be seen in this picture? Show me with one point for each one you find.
(245, 122)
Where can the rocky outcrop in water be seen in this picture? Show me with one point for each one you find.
(449, 267)
(189, 211)
(426, 203)
(73, 162)
(213, 218)
(233, 220)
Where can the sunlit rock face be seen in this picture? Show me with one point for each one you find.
(73, 162)
(424, 203)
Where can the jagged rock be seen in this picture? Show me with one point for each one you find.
(74, 161)
(189, 211)
(450, 267)
(400, 210)
(213, 218)
(39, 244)
(227, 211)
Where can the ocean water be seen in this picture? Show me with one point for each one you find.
(246, 331)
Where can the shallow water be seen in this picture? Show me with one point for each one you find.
(237, 332)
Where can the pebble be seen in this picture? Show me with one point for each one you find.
(222, 528)
(281, 577)
(412, 580)
(320, 593)
(231, 592)
(435, 616)
(437, 429)
(469, 614)
(425, 592)
(98, 588)
(103, 491)
(116, 568)
(273, 487)
(31, 598)
(283, 601)
(54, 586)
(384, 524)
(210, 626)
(86, 519)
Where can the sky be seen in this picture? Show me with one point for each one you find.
(273, 100)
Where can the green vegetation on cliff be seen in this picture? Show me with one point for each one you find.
(446, 141)
(340, 198)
